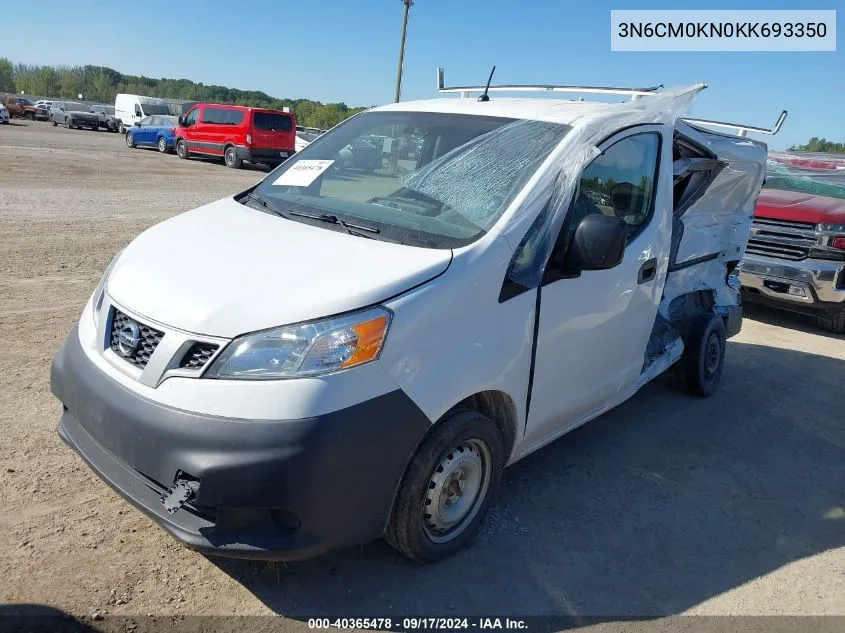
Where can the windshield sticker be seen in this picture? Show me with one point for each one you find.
(303, 173)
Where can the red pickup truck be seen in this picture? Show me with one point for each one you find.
(21, 107)
(795, 257)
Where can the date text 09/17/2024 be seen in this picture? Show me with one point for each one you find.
(423, 623)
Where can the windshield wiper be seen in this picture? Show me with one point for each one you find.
(254, 197)
(333, 219)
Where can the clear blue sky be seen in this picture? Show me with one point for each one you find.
(335, 50)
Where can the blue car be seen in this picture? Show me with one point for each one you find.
(153, 131)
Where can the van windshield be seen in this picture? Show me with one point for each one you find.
(154, 108)
(425, 179)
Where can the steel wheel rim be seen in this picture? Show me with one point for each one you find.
(230, 159)
(162, 144)
(456, 490)
(129, 139)
(711, 355)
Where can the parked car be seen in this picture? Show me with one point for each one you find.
(73, 114)
(795, 259)
(361, 356)
(304, 139)
(130, 109)
(236, 134)
(21, 108)
(153, 131)
(105, 116)
(4, 114)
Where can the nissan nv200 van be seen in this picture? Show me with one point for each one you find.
(348, 354)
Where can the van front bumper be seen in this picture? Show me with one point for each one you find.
(809, 284)
(268, 489)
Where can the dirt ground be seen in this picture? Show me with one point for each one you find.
(667, 505)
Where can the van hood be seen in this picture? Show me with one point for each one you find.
(225, 269)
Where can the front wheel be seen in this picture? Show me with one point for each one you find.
(54, 122)
(231, 158)
(704, 354)
(447, 488)
(130, 140)
(29, 116)
(162, 145)
(182, 149)
(69, 124)
(833, 321)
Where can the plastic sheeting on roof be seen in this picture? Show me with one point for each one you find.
(814, 174)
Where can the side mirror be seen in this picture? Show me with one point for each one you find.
(598, 243)
(137, 124)
(181, 121)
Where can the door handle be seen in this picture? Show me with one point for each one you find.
(647, 271)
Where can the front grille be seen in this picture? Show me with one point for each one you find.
(198, 355)
(149, 339)
(782, 239)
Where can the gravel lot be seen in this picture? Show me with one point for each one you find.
(666, 505)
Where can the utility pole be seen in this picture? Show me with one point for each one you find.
(407, 4)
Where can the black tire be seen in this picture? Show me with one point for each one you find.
(29, 116)
(182, 149)
(231, 158)
(96, 128)
(462, 434)
(704, 354)
(162, 145)
(130, 140)
(68, 123)
(53, 121)
(832, 321)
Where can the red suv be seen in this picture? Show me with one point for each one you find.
(236, 133)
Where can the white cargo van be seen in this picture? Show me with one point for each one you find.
(128, 109)
(349, 354)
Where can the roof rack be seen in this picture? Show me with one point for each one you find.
(465, 91)
(741, 129)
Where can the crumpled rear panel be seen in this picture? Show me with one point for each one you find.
(719, 222)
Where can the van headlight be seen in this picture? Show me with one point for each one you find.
(306, 349)
(100, 290)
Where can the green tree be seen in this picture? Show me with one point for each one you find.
(102, 83)
(816, 144)
(7, 82)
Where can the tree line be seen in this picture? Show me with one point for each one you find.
(817, 144)
(100, 83)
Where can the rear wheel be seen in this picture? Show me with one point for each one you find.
(162, 144)
(833, 321)
(130, 140)
(704, 354)
(120, 128)
(53, 121)
(182, 149)
(231, 158)
(447, 488)
(69, 123)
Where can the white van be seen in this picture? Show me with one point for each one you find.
(359, 353)
(129, 109)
